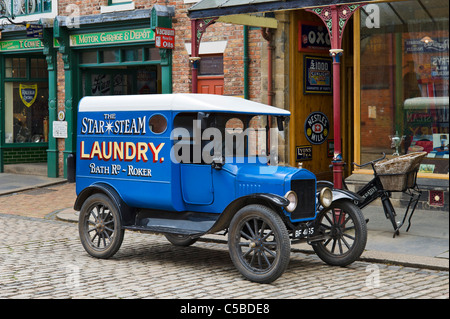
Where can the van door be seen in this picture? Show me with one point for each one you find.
(195, 176)
(196, 184)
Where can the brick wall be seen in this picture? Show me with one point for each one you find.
(25, 155)
(181, 73)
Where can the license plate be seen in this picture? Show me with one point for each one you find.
(303, 232)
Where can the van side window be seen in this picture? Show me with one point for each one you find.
(183, 137)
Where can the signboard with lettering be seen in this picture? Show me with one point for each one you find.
(420, 46)
(165, 38)
(303, 153)
(126, 36)
(317, 128)
(60, 129)
(20, 45)
(317, 75)
(35, 31)
(313, 37)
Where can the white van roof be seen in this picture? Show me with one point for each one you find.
(181, 102)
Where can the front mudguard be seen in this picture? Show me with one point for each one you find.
(342, 194)
(274, 201)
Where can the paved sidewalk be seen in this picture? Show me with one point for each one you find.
(425, 245)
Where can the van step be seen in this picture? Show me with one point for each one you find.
(181, 223)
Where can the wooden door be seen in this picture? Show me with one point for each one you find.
(211, 85)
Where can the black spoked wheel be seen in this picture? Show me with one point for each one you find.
(259, 243)
(100, 226)
(344, 230)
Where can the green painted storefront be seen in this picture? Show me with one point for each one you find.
(102, 55)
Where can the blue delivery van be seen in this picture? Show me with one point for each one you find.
(187, 165)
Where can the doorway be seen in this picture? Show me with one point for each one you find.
(210, 74)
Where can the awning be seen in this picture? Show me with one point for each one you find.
(218, 8)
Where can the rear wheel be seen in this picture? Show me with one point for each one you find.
(100, 226)
(259, 243)
(345, 233)
(180, 240)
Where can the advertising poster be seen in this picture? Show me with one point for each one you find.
(317, 75)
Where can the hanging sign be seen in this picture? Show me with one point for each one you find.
(317, 75)
(28, 93)
(35, 31)
(317, 128)
(164, 38)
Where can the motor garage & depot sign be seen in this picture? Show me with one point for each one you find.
(317, 128)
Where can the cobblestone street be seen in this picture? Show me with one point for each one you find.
(41, 258)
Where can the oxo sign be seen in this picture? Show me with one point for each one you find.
(165, 38)
(313, 37)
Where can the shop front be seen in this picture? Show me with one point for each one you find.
(116, 58)
(392, 82)
(403, 83)
(43, 79)
(24, 96)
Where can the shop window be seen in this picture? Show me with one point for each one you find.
(16, 68)
(405, 80)
(146, 54)
(26, 100)
(24, 7)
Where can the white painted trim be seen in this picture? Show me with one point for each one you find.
(216, 47)
(117, 7)
(35, 17)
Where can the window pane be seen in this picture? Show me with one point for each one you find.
(211, 65)
(111, 56)
(153, 54)
(89, 57)
(26, 112)
(38, 68)
(132, 55)
(16, 67)
(404, 81)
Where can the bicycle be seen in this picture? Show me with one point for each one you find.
(383, 184)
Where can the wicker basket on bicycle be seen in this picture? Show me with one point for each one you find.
(399, 173)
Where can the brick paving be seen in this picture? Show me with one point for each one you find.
(39, 202)
(43, 258)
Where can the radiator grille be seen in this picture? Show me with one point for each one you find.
(306, 193)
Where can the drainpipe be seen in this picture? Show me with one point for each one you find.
(267, 35)
(246, 64)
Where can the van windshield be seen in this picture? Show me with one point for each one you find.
(202, 138)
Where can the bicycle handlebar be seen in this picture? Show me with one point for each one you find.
(371, 162)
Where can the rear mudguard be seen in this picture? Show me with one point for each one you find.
(126, 212)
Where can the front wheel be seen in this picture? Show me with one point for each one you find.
(344, 232)
(259, 243)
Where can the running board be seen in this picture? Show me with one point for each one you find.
(180, 223)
